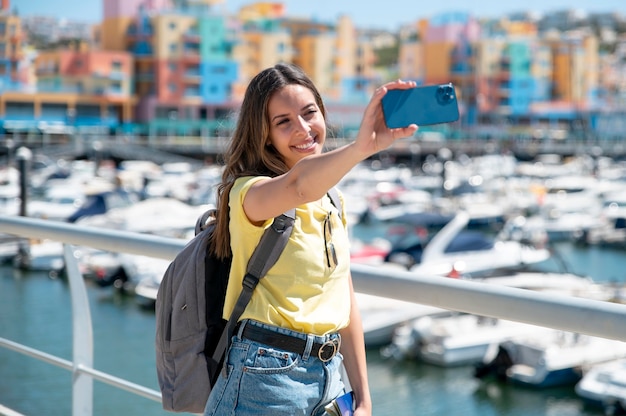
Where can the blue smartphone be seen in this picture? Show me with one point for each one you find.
(345, 404)
(422, 105)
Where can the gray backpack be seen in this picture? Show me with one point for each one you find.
(191, 336)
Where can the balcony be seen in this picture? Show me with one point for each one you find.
(192, 36)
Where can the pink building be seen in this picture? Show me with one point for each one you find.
(129, 8)
(450, 27)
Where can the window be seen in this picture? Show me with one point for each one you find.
(192, 92)
(166, 112)
(219, 70)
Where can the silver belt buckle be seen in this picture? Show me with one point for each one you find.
(329, 349)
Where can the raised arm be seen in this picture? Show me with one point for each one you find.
(312, 176)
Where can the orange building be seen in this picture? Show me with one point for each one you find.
(75, 89)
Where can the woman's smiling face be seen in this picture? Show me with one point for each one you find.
(297, 125)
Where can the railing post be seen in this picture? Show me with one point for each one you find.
(23, 157)
(82, 338)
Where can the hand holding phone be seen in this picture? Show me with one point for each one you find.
(424, 105)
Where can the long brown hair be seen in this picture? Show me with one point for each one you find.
(249, 152)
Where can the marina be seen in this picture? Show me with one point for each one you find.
(35, 312)
(35, 303)
(486, 249)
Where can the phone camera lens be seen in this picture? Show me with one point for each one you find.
(445, 93)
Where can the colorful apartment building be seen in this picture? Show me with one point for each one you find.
(262, 42)
(446, 39)
(11, 50)
(442, 50)
(411, 52)
(180, 67)
(189, 66)
(184, 71)
(84, 87)
(75, 88)
(504, 73)
(355, 60)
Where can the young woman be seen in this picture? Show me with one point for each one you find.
(303, 319)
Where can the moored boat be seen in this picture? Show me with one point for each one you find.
(604, 386)
(555, 359)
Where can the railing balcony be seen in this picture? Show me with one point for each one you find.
(592, 317)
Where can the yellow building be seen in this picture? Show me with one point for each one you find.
(411, 53)
(575, 67)
(258, 49)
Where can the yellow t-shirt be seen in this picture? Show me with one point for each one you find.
(300, 291)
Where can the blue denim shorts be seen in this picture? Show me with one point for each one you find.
(259, 379)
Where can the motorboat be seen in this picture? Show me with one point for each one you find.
(59, 202)
(604, 386)
(49, 256)
(45, 256)
(455, 251)
(612, 231)
(568, 207)
(461, 339)
(9, 191)
(551, 359)
(10, 246)
(175, 180)
(161, 216)
(453, 340)
(101, 202)
(143, 276)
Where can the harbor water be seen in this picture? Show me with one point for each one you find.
(35, 310)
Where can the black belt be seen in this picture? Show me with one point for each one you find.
(325, 352)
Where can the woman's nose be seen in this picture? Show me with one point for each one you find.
(302, 126)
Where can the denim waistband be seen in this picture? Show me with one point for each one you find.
(322, 346)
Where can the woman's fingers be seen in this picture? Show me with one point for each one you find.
(400, 84)
(374, 131)
(404, 131)
(393, 85)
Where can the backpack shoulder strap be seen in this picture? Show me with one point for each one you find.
(265, 255)
(271, 245)
(204, 220)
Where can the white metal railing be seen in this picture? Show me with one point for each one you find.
(592, 317)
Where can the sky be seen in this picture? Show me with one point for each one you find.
(383, 14)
